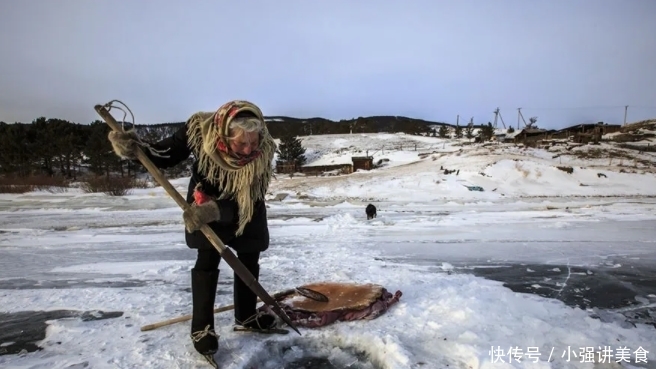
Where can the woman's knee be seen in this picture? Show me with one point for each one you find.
(207, 259)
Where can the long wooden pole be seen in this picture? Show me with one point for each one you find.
(220, 309)
(226, 254)
(184, 318)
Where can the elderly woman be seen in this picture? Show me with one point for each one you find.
(230, 176)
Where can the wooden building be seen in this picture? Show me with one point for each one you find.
(321, 169)
(362, 162)
(284, 167)
(532, 135)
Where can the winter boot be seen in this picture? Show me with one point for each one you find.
(203, 291)
(245, 305)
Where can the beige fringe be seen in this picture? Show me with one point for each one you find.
(245, 184)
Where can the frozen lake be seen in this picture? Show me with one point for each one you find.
(463, 268)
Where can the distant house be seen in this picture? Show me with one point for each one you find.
(362, 162)
(532, 135)
(321, 169)
(503, 137)
(594, 130)
(284, 167)
(357, 162)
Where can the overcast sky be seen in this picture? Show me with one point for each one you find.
(564, 61)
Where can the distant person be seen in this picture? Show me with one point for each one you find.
(371, 211)
(233, 151)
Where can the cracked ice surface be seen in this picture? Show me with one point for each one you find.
(503, 274)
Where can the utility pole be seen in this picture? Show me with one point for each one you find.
(519, 115)
(457, 119)
(519, 112)
(496, 116)
(626, 109)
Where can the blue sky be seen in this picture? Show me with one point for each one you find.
(565, 62)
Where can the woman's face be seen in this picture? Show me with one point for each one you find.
(244, 143)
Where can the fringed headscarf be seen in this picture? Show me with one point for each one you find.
(244, 179)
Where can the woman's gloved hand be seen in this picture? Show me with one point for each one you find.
(197, 215)
(124, 143)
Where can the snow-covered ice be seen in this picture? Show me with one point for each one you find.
(542, 267)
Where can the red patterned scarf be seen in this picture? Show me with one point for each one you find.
(243, 178)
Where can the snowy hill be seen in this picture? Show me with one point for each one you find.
(413, 168)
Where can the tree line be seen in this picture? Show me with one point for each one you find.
(59, 147)
(54, 146)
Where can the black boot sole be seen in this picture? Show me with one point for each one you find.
(257, 330)
(210, 359)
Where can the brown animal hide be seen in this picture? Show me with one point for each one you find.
(346, 301)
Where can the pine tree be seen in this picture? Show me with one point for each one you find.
(469, 131)
(291, 150)
(486, 132)
(458, 131)
(98, 150)
(443, 132)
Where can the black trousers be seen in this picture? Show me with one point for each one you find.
(245, 300)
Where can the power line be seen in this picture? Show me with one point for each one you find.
(577, 107)
(588, 107)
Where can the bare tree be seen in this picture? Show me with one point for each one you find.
(531, 122)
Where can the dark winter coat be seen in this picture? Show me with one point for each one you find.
(256, 233)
